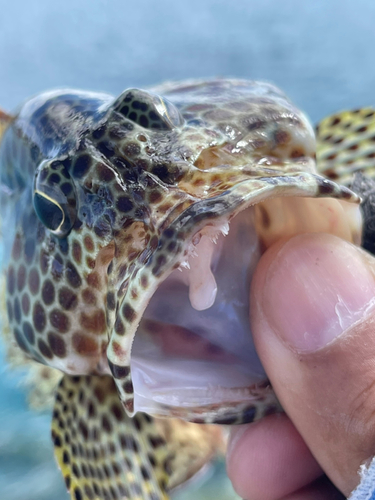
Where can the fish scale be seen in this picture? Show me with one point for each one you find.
(107, 198)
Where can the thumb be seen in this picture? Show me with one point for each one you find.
(313, 318)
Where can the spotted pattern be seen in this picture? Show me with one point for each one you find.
(346, 144)
(115, 204)
(106, 195)
(103, 453)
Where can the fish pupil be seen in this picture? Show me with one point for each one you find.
(48, 212)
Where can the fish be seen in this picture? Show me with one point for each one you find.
(131, 227)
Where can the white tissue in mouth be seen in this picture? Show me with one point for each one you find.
(199, 355)
(202, 283)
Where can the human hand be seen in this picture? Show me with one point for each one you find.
(313, 320)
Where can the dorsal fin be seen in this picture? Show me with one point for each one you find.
(346, 144)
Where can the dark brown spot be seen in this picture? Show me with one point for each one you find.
(44, 349)
(128, 312)
(20, 340)
(152, 460)
(124, 204)
(99, 394)
(67, 482)
(88, 491)
(44, 259)
(353, 147)
(117, 412)
(48, 292)
(66, 457)
(28, 332)
(39, 317)
(21, 278)
(77, 252)
(332, 174)
(17, 310)
(89, 297)
(10, 311)
(77, 491)
(89, 244)
(106, 148)
(119, 372)
(11, 280)
(34, 281)
(132, 149)
(361, 129)
(105, 174)
(25, 304)
(57, 267)
(144, 281)
(83, 429)
(156, 441)
(326, 187)
(282, 137)
(297, 153)
(81, 166)
(57, 345)
(111, 301)
(335, 121)
(90, 262)
(119, 326)
(155, 196)
(59, 320)
(106, 424)
(128, 387)
(94, 280)
(84, 345)
(67, 299)
(94, 323)
(72, 275)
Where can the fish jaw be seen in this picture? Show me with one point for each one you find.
(251, 398)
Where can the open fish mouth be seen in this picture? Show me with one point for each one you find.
(193, 355)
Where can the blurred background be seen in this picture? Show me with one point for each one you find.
(320, 53)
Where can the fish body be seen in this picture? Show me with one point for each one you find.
(132, 226)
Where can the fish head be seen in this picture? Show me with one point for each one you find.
(139, 223)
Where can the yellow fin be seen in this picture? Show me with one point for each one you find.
(103, 454)
(346, 145)
(191, 446)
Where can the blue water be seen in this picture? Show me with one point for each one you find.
(321, 53)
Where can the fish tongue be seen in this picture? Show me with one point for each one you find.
(202, 283)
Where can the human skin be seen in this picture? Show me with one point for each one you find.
(313, 320)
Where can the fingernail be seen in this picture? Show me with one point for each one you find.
(316, 288)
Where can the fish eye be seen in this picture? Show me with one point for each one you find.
(49, 212)
(148, 110)
(54, 198)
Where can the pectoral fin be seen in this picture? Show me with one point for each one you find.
(103, 454)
